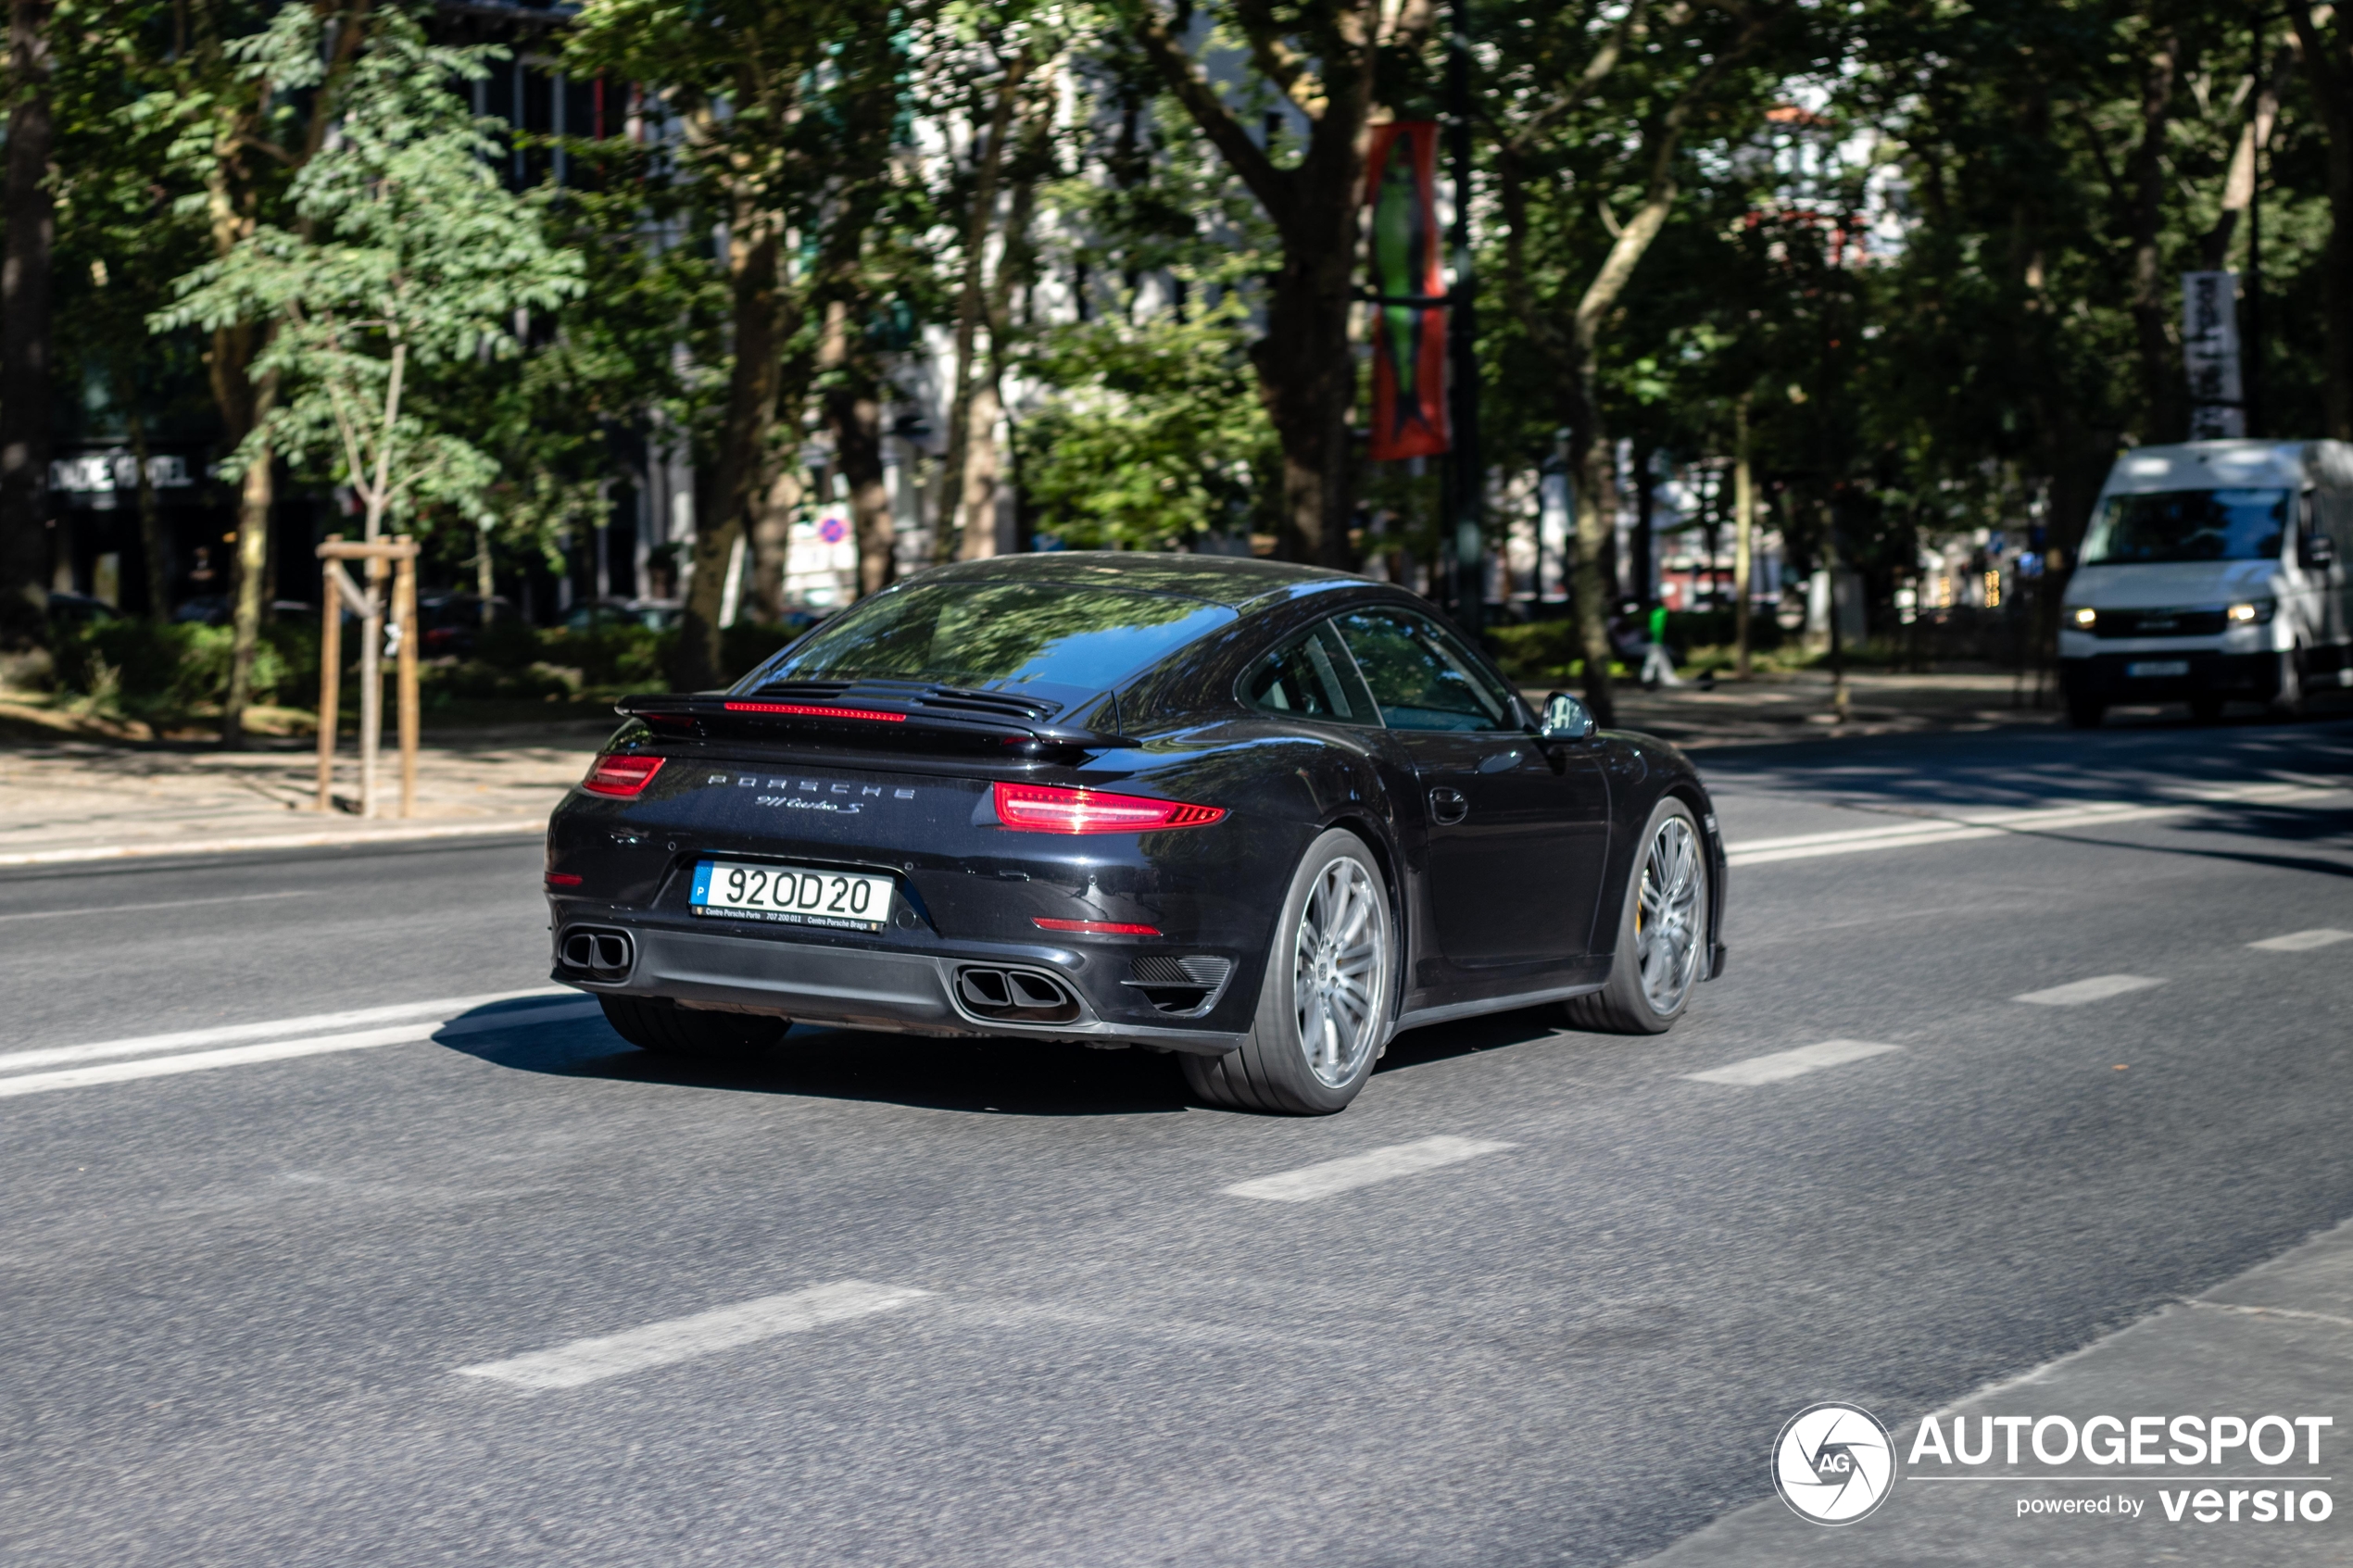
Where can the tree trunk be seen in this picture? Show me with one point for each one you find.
(977, 505)
(153, 542)
(771, 528)
(1594, 479)
(743, 442)
(972, 305)
(2324, 56)
(1305, 364)
(2161, 376)
(24, 331)
(855, 413)
(255, 493)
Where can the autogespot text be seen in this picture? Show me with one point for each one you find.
(2133, 1445)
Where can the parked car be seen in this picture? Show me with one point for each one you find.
(80, 610)
(654, 615)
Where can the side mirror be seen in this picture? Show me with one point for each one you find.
(1565, 718)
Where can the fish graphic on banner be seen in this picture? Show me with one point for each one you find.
(1409, 334)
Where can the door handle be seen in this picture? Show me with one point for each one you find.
(1448, 806)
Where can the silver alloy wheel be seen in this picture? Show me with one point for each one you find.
(1668, 916)
(1340, 969)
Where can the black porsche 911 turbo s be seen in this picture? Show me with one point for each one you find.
(1261, 815)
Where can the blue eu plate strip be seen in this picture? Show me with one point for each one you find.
(701, 894)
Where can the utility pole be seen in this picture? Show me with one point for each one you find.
(1462, 339)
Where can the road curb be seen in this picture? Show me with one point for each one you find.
(498, 828)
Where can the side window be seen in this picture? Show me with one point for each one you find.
(1422, 677)
(1311, 676)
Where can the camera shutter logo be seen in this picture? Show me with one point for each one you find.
(1833, 1463)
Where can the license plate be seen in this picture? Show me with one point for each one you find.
(790, 896)
(2157, 667)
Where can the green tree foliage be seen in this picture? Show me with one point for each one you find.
(1152, 435)
(407, 255)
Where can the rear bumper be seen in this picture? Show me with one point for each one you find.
(817, 981)
(2252, 677)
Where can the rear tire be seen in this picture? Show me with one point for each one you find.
(1667, 902)
(2086, 713)
(660, 1025)
(1325, 1007)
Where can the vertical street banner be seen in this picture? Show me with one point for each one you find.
(1409, 317)
(2210, 350)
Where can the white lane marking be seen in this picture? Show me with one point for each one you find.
(1311, 1182)
(680, 1339)
(1772, 1069)
(2098, 988)
(2303, 941)
(1995, 824)
(504, 827)
(172, 904)
(283, 1050)
(222, 1034)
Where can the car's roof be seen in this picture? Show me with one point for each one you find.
(1233, 581)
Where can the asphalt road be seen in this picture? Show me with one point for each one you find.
(951, 1304)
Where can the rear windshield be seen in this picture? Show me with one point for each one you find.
(996, 634)
(2174, 526)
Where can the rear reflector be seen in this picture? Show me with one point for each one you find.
(621, 775)
(815, 711)
(1096, 927)
(562, 879)
(1050, 808)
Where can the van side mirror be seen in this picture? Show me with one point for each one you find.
(1565, 718)
(2319, 551)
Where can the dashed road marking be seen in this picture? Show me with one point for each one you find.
(2303, 941)
(681, 1339)
(1311, 1182)
(285, 1051)
(1779, 1065)
(1931, 830)
(2098, 988)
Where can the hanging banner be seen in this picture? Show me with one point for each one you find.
(1409, 330)
(2210, 351)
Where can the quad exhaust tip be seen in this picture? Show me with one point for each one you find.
(599, 954)
(1015, 996)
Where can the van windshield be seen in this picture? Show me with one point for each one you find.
(2177, 525)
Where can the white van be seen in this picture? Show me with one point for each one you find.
(2212, 571)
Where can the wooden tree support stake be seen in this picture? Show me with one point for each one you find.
(397, 558)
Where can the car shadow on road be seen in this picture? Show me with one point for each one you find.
(985, 1077)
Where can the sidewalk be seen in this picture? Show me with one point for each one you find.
(71, 801)
(2276, 1340)
(1795, 706)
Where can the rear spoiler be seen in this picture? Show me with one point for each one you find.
(886, 722)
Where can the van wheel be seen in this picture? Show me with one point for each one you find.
(2085, 712)
(660, 1025)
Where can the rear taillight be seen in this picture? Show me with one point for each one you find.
(621, 775)
(1050, 808)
